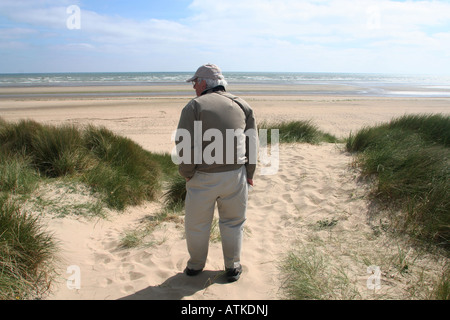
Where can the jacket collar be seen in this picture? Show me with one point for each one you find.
(215, 89)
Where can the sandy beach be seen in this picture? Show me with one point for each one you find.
(315, 183)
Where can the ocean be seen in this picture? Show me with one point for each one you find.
(306, 83)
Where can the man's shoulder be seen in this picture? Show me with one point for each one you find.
(207, 99)
(191, 104)
(217, 97)
(228, 95)
(235, 98)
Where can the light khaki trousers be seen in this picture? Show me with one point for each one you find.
(230, 191)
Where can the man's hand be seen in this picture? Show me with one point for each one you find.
(187, 179)
(250, 182)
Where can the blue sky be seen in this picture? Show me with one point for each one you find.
(140, 9)
(367, 36)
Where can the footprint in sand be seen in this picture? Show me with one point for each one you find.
(110, 244)
(104, 282)
(143, 257)
(127, 289)
(103, 258)
(136, 275)
(287, 197)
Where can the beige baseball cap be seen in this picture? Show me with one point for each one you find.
(208, 71)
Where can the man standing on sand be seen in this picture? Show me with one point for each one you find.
(226, 127)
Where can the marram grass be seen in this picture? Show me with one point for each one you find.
(410, 158)
(26, 254)
(297, 131)
(110, 164)
(115, 167)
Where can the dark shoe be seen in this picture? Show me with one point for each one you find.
(233, 274)
(192, 272)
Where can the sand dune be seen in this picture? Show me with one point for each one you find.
(315, 184)
(312, 185)
(313, 201)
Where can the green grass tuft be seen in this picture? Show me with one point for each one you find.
(410, 159)
(16, 175)
(115, 167)
(26, 253)
(309, 275)
(297, 131)
(176, 192)
(125, 173)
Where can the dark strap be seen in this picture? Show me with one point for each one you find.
(239, 104)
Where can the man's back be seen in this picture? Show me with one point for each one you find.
(222, 120)
(217, 111)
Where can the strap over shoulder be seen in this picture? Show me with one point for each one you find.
(244, 107)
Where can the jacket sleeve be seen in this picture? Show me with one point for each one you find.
(185, 148)
(252, 140)
(251, 145)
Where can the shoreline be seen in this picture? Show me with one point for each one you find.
(185, 89)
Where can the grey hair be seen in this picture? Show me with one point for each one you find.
(211, 83)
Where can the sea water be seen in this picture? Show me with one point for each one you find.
(297, 82)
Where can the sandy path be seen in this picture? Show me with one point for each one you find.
(312, 184)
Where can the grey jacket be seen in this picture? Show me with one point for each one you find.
(218, 150)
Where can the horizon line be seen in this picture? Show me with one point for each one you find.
(225, 72)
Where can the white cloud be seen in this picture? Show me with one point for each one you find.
(42, 13)
(344, 18)
(16, 33)
(325, 33)
(296, 35)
